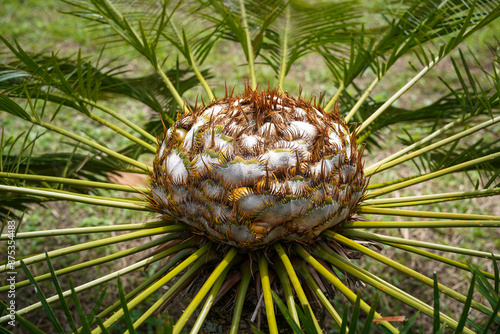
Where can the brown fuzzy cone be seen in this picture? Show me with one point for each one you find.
(254, 169)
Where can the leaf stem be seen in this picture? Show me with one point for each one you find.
(434, 198)
(76, 198)
(378, 167)
(157, 285)
(296, 284)
(209, 282)
(280, 270)
(158, 274)
(421, 224)
(121, 119)
(246, 278)
(174, 288)
(423, 244)
(75, 182)
(397, 95)
(339, 285)
(335, 97)
(189, 56)
(432, 175)
(404, 269)
(98, 281)
(209, 302)
(124, 133)
(422, 214)
(417, 144)
(90, 143)
(284, 47)
(85, 230)
(95, 262)
(302, 268)
(97, 243)
(143, 49)
(250, 56)
(173, 91)
(391, 182)
(439, 258)
(362, 99)
(268, 298)
(382, 285)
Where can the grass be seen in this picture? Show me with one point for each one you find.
(36, 25)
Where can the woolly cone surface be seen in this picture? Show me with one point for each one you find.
(253, 169)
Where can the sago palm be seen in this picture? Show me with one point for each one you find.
(265, 211)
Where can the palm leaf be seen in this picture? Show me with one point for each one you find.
(439, 139)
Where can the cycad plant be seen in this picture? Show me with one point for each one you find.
(264, 209)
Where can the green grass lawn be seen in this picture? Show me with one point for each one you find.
(40, 26)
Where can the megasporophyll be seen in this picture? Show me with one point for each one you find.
(256, 168)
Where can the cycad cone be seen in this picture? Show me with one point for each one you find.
(254, 169)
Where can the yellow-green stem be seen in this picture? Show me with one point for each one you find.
(335, 97)
(422, 214)
(192, 62)
(339, 285)
(157, 285)
(158, 274)
(420, 224)
(122, 119)
(382, 285)
(268, 298)
(75, 182)
(172, 90)
(225, 262)
(98, 147)
(246, 278)
(302, 268)
(423, 244)
(378, 167)
(97, 282)
(362, 99)
(280, 270)
(248, 40)
(404, 269)
(97, 243)
(75, 198)
(284, 47)
(432, 175)
(296, 284)
(397, 95)
(95, 262)
(174, 288)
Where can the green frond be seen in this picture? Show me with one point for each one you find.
(429, 176)
(97, 282)
(268, 298)
(423, 244)
(175, 288)
(185, 252)
(304, 27)
(94, 262)
(408, 32)
(417, 276)
(226, 262)
(246, 22)
(305, 222)
(384, 286)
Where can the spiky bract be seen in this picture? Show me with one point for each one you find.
(253, 169)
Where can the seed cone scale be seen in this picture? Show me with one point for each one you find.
(257, 168)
